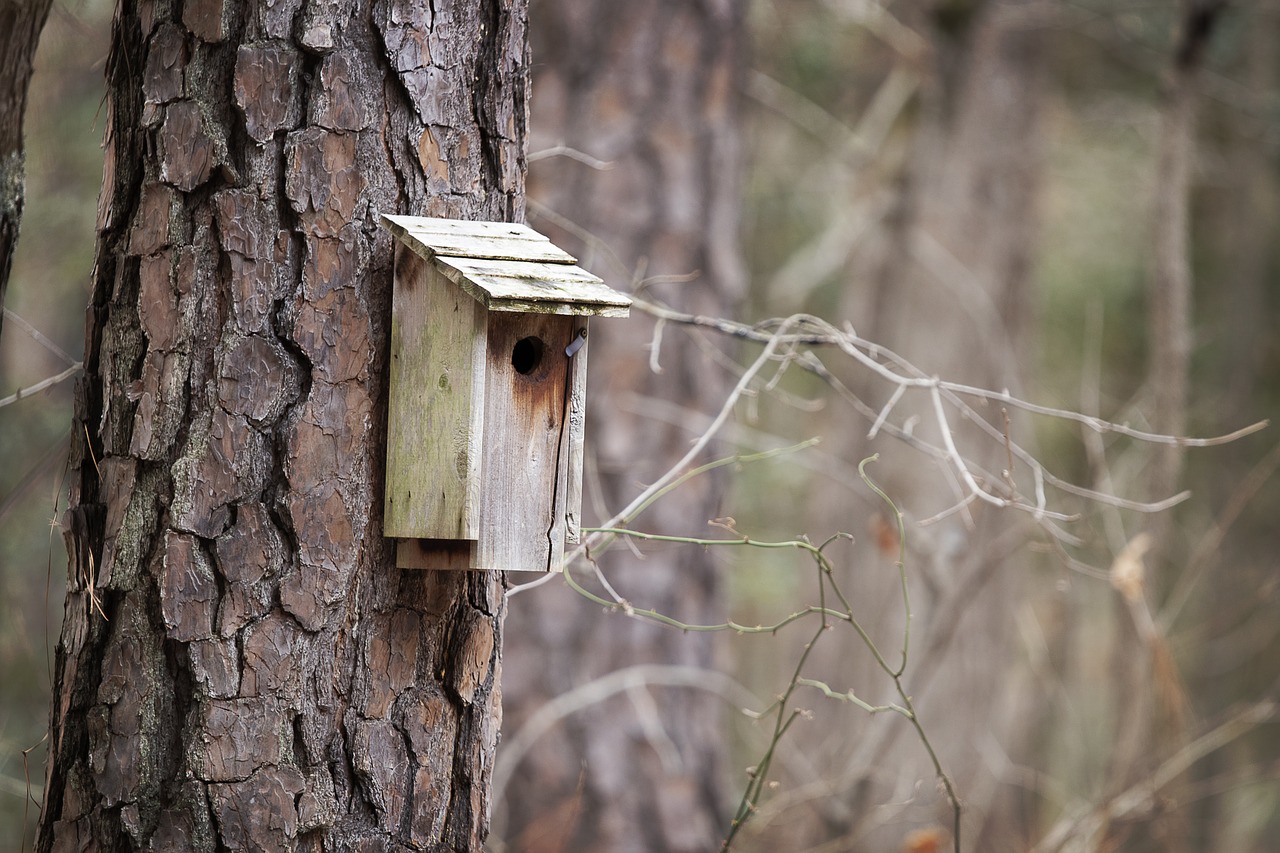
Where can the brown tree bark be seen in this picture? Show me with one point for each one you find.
(651, 89)
(20, 24)
(241, 665)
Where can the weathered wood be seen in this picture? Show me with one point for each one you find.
(577, 435)
(468, 239)
(532, 286)
(508, 267)
(487, 409)
(441, 226)
(435, 418)
(525, 445)
(436, 554)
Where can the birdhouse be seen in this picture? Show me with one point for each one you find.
(488, 394)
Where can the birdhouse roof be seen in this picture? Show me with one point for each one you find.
(508, 267)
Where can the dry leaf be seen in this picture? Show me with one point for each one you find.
(924, 840)
(1127, 570)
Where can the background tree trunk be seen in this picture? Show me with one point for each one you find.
(651, 89)
(20, 24)
(240, 666)
(1150, 705)
(944, 281)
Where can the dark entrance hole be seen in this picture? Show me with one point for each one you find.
(527, 355)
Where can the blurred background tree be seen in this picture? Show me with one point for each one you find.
(636, 168)
(974, 183)
(49, 290)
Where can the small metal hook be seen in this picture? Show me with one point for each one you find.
(576, 343)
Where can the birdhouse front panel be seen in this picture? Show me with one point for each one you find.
(526, 441)
(488, 395)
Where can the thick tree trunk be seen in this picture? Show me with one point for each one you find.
(240, 664)
(651, 88)
(20, 24)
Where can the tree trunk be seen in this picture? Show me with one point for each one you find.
(946, 284)
(1149, 705)
(651, 88)
(20, 24)
(1169, 294)
(241, 665)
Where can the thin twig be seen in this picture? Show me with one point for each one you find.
(22, 393)
(40, 338)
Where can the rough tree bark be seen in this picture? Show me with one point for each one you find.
(20, 24)
(240, 664)
(650, 87)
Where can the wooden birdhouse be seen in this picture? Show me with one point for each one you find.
(488, 394)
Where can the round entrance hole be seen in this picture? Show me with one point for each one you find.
(527, 355)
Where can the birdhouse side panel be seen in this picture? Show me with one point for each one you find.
(572, 508)
(526, 446)
(436, 408)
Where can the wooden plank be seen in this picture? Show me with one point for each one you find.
(436, 406)
(579, 309)
(493, 248)
(532, 273)
(435, 554)
(494, 240)
(508, 267)
(571, 510)
(523, 450)
(519, 282)
(473, 227)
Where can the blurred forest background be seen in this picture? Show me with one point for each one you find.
(1004, 194)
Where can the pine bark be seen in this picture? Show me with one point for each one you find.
(241, 666)
(20, 24)
(651, 88)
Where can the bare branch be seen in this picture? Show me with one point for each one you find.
(563, 150)
(40, 337)
(22, 393)
(593, 692)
